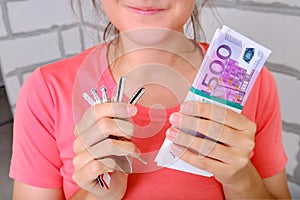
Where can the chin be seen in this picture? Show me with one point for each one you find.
(149, 36)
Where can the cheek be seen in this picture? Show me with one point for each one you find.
(109, 8)
(183, 11)
(116, 14)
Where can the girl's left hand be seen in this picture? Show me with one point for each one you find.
(225, 146)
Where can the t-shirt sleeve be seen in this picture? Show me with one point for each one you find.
(269, 154)
(35, 158)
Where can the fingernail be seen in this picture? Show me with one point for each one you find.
(172, 133)
(186, 108)
(175, 119)
(132, 110)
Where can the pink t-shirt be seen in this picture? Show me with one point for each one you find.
(44, 134)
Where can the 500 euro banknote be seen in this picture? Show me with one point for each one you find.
(226, 76)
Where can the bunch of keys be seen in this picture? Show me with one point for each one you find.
(123, 162)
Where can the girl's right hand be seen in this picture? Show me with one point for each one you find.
(95, 148)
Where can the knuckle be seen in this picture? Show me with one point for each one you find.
(231, 172)
(242, 162)
(95, 168)
(76, 145)
(76, 162)
(246, 143)
(253, 127)
(75, 177)
(249, 145)
(77, 130)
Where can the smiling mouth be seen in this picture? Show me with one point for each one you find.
(146, 10)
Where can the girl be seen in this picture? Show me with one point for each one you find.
(61, 146)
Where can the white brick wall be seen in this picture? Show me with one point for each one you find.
(13, 88)
(283, 2)
(275, 31)
(290, 142)
(289, 92)
(71, 38)
(91, 37)
(34, 32)
(31, 15)
(2, 26)
(29, 50)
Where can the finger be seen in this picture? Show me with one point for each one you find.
(82, 159)
(205, 163)
(110, 164)
(89, 172)
(208, 128)
(85, 157)
(78, 146)
(119, 110)
(105, 128)
(122, 163)
(111, 147)
(203, 147)
(218, 114)
(116, 127)
(94, 113)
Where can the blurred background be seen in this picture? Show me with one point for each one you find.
(36, 32)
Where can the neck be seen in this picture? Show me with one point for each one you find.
(156, 66)
(166, 48)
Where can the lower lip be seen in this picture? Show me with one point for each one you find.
(145, 12)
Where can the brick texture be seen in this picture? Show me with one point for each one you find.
(12, 93)
(288, 88)
(2, 26)
(283, 2)
(273, 31)
(29, 50)
(35, 32)
(31, 15)
(71, 38)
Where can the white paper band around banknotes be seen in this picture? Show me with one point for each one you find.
(226, 76)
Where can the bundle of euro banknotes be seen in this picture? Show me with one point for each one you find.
(225, 78)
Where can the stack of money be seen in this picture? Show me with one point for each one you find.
(226, 76)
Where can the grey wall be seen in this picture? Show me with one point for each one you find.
(36, 32)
